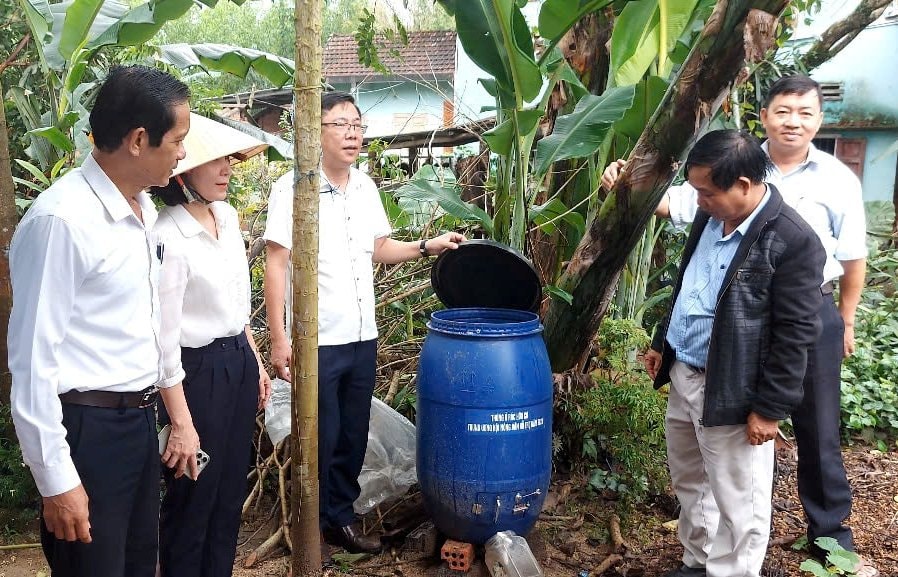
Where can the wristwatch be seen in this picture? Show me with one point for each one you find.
(422, 248)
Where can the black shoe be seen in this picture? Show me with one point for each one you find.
(352, 539)
(686, 571)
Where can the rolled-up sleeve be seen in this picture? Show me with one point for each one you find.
(173, 277)
(683, 204)
(279, 223)
(47, 266)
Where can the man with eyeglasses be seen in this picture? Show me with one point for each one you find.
(353, 234)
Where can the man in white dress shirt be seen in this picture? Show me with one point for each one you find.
(353, 233)
(84, 347)
(828, 196)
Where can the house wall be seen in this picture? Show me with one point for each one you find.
(869, 108)
(878, 179)
(400, 106)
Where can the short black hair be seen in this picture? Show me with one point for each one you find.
(797, 84)
(134, 97)
(730, 154)
(171, 194)
(333, 98)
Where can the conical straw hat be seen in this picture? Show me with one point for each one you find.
(209, 140)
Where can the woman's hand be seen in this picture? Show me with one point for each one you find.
(264, 383)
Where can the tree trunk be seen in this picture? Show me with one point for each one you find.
(736, 31)
(840, 34)
(304, 531)
(8, 219)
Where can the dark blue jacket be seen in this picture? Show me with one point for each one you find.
(766, 319)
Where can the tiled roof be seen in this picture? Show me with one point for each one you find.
(428, 54)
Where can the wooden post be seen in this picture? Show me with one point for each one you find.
(8, 219)
(304, 532)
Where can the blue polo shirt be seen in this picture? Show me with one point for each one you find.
(689, 332)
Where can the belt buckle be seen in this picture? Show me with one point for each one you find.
(149, 397)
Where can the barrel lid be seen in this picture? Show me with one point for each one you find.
(486, 273)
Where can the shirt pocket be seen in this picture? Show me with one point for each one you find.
(751, 289)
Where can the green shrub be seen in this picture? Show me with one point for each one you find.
(869, 388)
(613, 429)
(17, 489)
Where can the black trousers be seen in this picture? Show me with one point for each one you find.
(822, 483)
(200, 519)
(345, 385)
(116, 454)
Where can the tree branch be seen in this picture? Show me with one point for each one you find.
(840, 34)
(15, 52)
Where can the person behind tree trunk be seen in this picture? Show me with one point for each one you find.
(353, 233)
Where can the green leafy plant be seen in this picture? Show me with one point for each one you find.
(17, 489)
(869, 388)
(838, 560)
(613, 429)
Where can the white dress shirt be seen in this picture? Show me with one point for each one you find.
(204, 283)
(823, 191)
(85, 310)
(348, 224)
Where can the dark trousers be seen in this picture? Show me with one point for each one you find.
(200, 519)
(116, 454)
(822, 484)
(345, 386)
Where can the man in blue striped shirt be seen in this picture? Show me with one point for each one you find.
(734, 349)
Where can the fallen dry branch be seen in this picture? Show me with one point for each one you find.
(609, 562)
(264, 549)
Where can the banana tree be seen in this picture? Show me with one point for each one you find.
(496, 37)
(736, 31)
(650, 42)
(70, 36)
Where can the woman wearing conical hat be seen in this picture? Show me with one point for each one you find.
(214, 379)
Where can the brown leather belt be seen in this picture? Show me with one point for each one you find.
(827, 288)
(112, 400)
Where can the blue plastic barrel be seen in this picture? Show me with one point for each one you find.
(484, 422)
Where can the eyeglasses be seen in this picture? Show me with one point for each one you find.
(347, 127)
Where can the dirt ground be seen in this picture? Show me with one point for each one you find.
(574, 533)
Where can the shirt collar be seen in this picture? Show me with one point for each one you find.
(112, 199)
(814, 155)
(188, 225)
(324, 183)
(743, 228)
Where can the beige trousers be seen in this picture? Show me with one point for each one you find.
(723, 483)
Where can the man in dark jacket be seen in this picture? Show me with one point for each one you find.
(734, 348)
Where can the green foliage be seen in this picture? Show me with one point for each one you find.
(838, 560)
(204, 35)
(614, 429)
(429, 190)
(368, 37)
(69, 39)
(17, 489)
(869, 387)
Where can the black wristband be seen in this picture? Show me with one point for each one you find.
(422, 248)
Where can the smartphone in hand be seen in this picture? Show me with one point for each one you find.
(202, 457)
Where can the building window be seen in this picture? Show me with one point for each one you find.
(832, 91)
(851, 151)
(405, 123)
